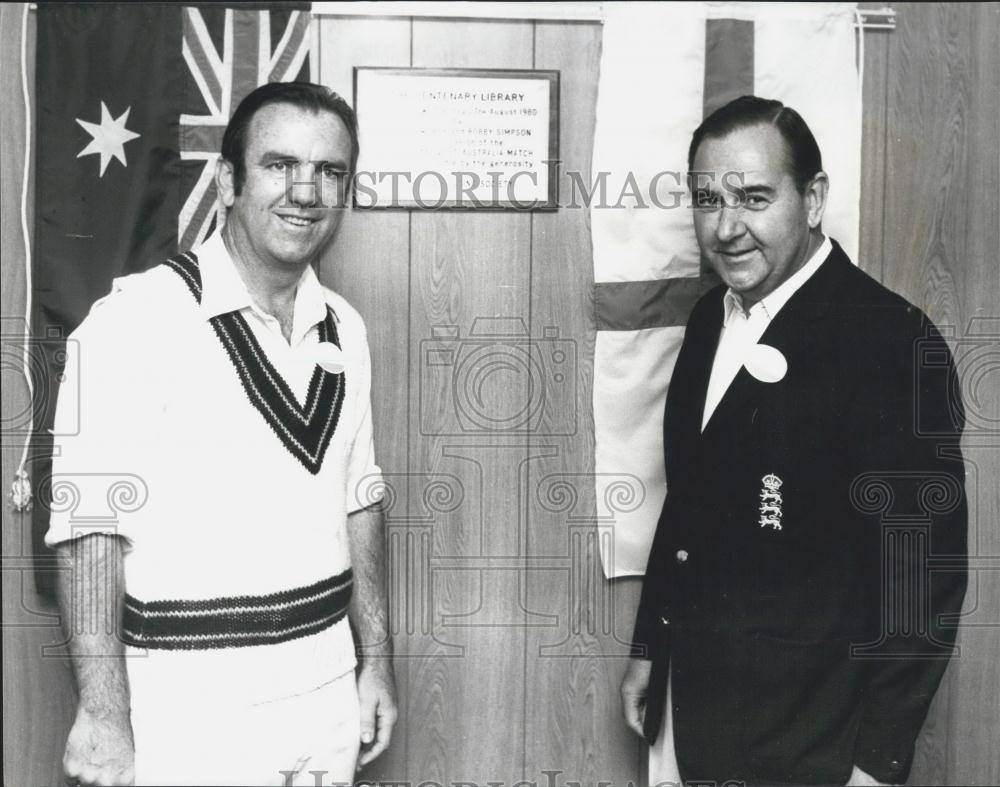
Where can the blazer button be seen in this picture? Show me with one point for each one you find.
(682, 555)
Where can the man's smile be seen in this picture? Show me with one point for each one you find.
(298, 221)
(734, 256)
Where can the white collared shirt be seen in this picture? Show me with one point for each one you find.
(742, 330)
(223, 291)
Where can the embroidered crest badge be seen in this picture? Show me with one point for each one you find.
(770, 502)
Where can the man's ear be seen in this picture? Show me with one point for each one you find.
(225, 182)
(816, 191)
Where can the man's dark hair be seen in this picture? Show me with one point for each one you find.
(746, 111)
(304, 95)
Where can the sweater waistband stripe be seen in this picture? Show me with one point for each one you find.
(237, 621)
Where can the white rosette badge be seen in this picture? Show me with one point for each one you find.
(766, 363)
(329, 357)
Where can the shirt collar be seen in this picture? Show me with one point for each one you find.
(773, 302)
(310, 304)
(223, 290)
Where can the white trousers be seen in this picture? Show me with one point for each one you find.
(281, 742)
(663, 770)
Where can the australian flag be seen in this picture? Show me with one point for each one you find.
(132, 101)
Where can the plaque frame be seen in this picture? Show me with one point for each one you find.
(547, 200)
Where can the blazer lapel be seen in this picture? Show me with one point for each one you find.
(693, 370)
(787, 332)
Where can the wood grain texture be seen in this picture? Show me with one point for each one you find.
(877, 44)
(369, 265)
(39, 696)
(573, 721)
(974, 680)
(928, 157)
(465, 719)
(942, 231)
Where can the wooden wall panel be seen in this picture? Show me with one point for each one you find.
(369, 265)
(38, 693)
(976, 679)
(574, 665)
(941, 225)
(466, 716)
(928, 123)
(877, 44)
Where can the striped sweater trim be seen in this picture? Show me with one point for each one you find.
(305, 431)
(237, 621)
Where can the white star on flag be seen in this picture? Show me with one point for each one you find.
(109, 137)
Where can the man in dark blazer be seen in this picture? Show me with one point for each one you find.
(814, 479)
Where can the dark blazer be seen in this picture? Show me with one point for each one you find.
(797, 653)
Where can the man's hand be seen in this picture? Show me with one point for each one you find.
(369, 614)
(633, 690)
(861, 779)
(377, 696)
(99, 751)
